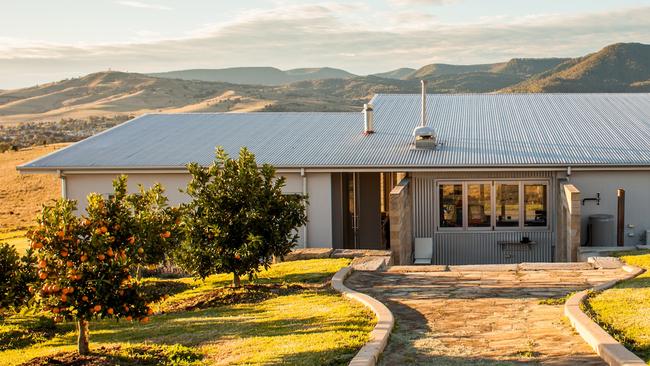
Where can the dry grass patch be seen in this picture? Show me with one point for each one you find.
(22, 195)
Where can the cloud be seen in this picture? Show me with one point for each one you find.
(421, 2)
(142, 5)
(326, 35)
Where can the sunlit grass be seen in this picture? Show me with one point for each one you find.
(16, 238)
(624, 310)
(308, 327)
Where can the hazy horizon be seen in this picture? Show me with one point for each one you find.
(72, 38)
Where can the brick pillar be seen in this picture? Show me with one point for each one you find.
(401, 223)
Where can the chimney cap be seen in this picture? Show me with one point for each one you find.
(424, 131)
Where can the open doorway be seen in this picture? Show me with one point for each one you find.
(361, 206)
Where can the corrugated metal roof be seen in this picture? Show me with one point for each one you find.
(477, 130)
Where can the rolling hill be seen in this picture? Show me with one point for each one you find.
(399, 74)
(621, 67)
(256, 75)
(616, 68)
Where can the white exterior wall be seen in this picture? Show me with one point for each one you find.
(637, 200)
(319, 212)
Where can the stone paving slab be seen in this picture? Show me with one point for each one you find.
(605, 262)
(353, 253)
(484, 267)
(481, 317)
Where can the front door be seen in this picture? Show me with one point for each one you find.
(363, 224)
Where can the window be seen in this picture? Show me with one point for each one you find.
(507, 204)
(479, 204)
(451, 205)
(535, 205)
(493, 205)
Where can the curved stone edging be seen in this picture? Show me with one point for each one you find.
(605, 345)
(369, 354)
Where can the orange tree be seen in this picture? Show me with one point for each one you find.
(85, 261)
(16, 273)
(238, 218)
(157, 224)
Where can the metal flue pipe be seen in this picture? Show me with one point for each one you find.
(423, 116)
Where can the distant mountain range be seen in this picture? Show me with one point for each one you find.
(256, 75)
(622, 67)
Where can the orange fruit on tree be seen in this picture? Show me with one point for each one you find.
(98, 231)
(110, 311)
(42, 263)
(60, 234)
(84, 298)
(103, 229)
(84, 258)
(97, 308)
(101, 257)
(140, 250)
(145, 320)
(86, 222)
(69, 289)
(64, 253)
(69, 263)
(37, 245)
(64, 297)
(131, 239)
(56, 310)
(109, 252)
(42, 275)
(149, 311)
(126, 308)
(167, 234)
(129, 318)
(54, 288)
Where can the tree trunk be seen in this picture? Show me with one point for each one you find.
(82, 341)
(236, 282)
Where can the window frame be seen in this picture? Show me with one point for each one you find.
(548, 207)
(466, 204)
(493, 203)
(463, 207)
(519, 188)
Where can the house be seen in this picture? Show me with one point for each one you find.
(447, 179)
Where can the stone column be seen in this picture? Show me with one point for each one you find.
(401, 223)
(572, 226)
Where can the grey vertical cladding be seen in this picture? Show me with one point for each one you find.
(478, 247)
(483, 248)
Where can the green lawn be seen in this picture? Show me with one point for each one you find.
(311, 325)
(624, 310)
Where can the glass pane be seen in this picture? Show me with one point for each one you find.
(507, 209)
(479, 205)
(451, 205)
(535, 205)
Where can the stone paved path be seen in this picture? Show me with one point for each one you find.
(481, 318)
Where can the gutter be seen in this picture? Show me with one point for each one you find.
(182, 170)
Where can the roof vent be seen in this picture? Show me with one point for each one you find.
(368, 126)
(425, 136)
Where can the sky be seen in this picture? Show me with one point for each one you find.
(46, 40)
